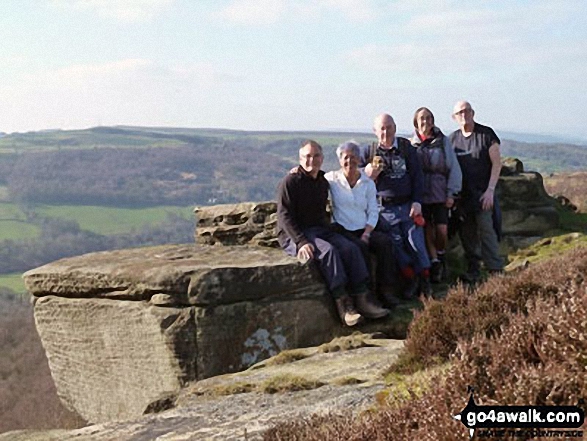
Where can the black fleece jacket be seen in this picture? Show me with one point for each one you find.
(301, 204)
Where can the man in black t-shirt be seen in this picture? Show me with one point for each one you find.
(477, 149)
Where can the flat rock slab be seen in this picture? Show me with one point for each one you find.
(176, 274)
(200, 415)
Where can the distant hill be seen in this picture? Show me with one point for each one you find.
(150, 166)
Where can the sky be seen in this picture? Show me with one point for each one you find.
(292, 64)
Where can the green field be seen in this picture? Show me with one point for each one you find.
(13, 281)
(110, 220)
(80, 139)
(13, 223)
(10, 211)
(17, 230)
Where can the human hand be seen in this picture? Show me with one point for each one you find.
(293, 171)
(372, 172)
(487, 199)
(365, 237)
(416, 210)
(449, 202)
(306, 252)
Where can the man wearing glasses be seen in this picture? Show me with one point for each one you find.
(304, 230)
(477, 149)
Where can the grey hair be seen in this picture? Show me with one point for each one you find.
(351, 146)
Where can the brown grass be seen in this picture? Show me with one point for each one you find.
(524, 343)
(354, 341)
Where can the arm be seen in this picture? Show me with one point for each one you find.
(455, 176)
(417, 178)
(285, 214)
(495, 157)
(372, 211)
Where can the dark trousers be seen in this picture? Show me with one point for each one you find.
(339, 260)
(381, 246)
(408, 239)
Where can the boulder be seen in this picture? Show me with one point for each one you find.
(527, 209)
(237, 224)
(121, 329)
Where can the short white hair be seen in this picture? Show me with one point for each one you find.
(347, 146)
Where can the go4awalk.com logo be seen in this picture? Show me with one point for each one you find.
(521, 421)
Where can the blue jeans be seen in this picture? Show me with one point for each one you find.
(408, 239)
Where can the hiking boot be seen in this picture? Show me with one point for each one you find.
(347, 312)
(436, 272)
(411, 291)
(425, 287)
(470, 279)
(370, 308)
(443, 268)
(390, 301)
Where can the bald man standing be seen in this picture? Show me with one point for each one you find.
(478, 153)
(394, 166)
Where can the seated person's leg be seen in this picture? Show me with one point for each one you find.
(357, 274)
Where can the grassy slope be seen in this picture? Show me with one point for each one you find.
(79, 139)
(110, 220)
(13, 223)
(13, 282)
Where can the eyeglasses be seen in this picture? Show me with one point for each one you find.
(316, 156)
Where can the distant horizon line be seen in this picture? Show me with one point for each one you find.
(533, 136)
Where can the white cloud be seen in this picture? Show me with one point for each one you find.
(267, 12)
(253, 12)
(130, 91)
(352, 10)
(122, 10)
(478, 39)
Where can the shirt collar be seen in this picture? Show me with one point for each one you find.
(393, 145)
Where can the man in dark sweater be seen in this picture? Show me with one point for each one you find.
(477, 149)
(394, 166)
(303, 230)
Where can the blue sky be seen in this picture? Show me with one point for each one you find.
(291, 64)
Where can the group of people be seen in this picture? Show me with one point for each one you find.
(390, 203)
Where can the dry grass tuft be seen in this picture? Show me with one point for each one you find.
(350, 342)
(285, 357)
(288, 383)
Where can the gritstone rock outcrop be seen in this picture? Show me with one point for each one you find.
(125, 330)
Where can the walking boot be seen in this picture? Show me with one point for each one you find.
(370, 308)
(347, 312)
(443, 268)
(436, 271)
(425, 287)
(412, 289)
(388, 298)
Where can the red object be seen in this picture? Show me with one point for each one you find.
(419, 220)
(408, 272)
